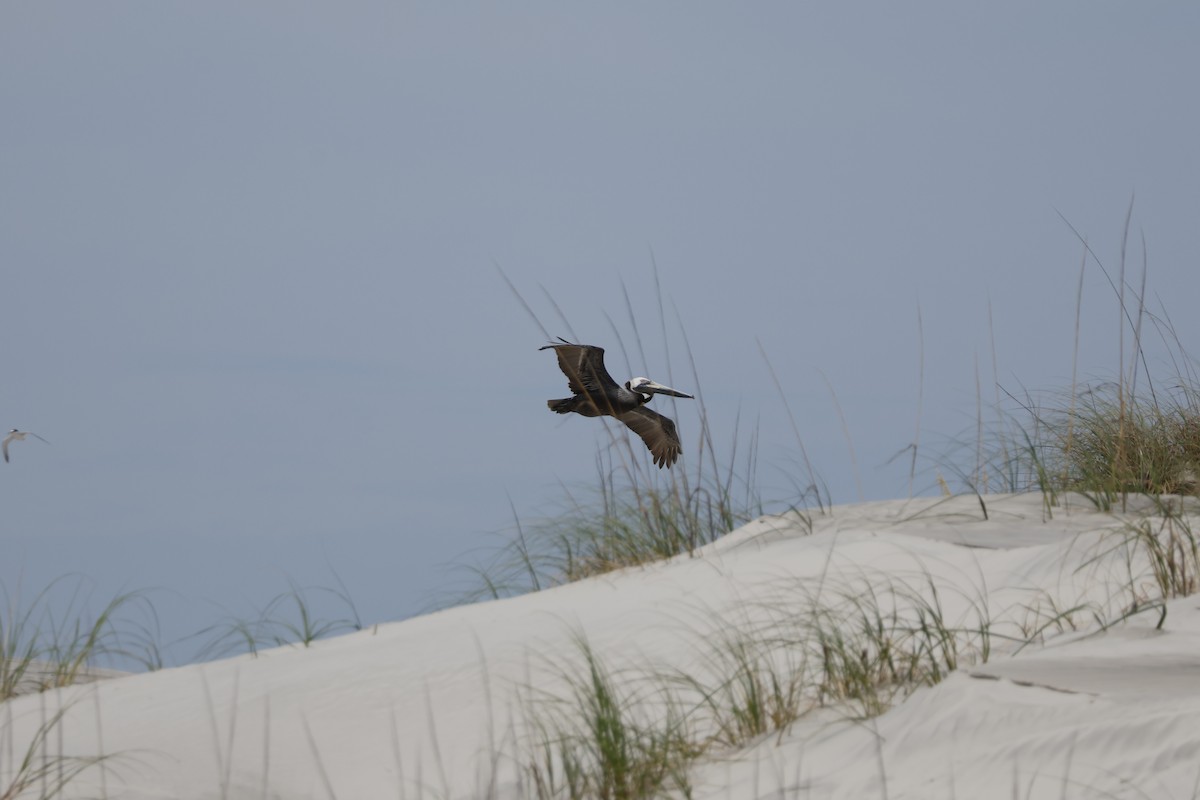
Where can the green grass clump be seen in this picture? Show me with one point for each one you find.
(1172, 550)
(37, 773)
(289, 618)
(41, 648)
(1138, 434)
(1111, 443)
(634, 515)
(757, 685)
(1105, 442)
(855, 649)
(879, 639)
(597, 743)
(638, 519)
(1160, 554)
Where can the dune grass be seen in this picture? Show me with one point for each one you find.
(54, 639)
(853, 646)
(604, 740)
(37, 771)
(288, 618)
(854, 649)
(1160, 554)
(1136, 435)
(629, 518)
(1171, 548)
(752, 685)
(880, 638)
(1107, 442)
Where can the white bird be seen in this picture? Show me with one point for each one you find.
(17, 436)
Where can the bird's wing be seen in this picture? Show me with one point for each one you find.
(4, 447)
(583, 364)
(657, 431)
(34, 435)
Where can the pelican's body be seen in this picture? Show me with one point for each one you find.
(596, 394)
(16, 436)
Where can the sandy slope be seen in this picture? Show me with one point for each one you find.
(434, 706)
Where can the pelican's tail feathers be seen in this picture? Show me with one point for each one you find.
(564, 406)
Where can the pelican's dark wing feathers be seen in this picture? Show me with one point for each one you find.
(657, 431)
(583, 364)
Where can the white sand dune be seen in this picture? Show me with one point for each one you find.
(438, 706)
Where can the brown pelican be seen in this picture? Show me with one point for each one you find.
(16, 436)
(597, 394)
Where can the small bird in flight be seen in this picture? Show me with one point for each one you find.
(17, 436)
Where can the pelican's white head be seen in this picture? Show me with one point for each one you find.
(648, 387)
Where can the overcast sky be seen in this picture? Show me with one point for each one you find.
(250, 250)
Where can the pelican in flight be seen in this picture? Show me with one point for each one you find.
(596, 394)
(16, 436)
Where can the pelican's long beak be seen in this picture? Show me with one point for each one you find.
(658, 388)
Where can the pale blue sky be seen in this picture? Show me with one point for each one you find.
(249, 256)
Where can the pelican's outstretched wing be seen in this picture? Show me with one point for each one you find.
(583, 364)
(657, 431)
